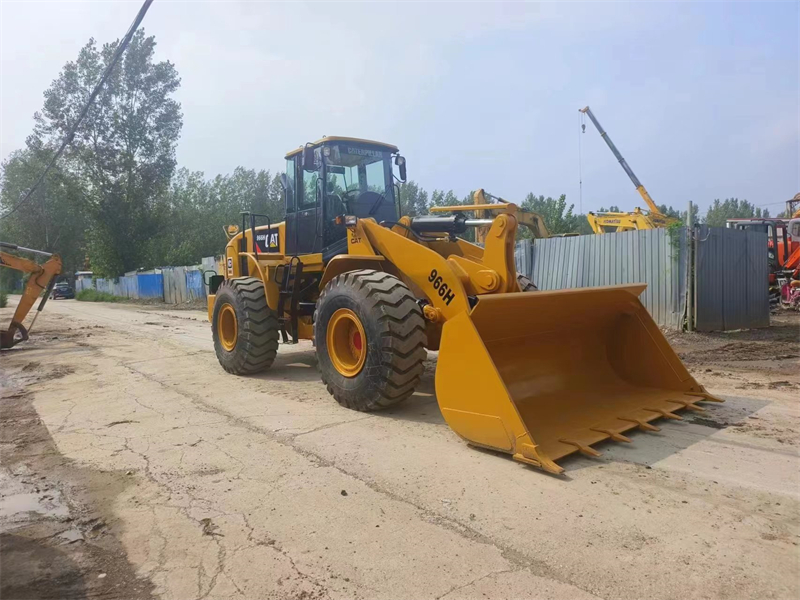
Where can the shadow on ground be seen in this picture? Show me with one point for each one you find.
(71, 553)
(647, 448)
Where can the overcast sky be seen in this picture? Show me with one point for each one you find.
(703, 100)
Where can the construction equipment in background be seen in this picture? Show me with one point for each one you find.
(783, 249)
(610, 222)
(42, 278)
(486, 207)
(538, 375)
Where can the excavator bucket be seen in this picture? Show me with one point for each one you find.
(544, 374)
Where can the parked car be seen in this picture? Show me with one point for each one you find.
(62, 290)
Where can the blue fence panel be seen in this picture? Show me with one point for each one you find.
(151, 286)
(194, 284)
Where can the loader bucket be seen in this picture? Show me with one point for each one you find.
(542, 375)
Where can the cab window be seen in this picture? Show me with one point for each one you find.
(290, 185)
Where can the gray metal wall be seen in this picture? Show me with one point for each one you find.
(731, 279)
(657, 257)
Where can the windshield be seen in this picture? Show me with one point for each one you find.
(353, 170)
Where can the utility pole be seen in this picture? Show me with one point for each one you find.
(689, 269)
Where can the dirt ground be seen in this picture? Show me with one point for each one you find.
(134, 467)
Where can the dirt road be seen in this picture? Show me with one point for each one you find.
(134, 467)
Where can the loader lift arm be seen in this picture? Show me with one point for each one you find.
(42, 277)
(487, 206)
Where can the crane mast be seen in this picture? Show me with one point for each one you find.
(638, 184)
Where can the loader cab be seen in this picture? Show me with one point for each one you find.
(337, 176)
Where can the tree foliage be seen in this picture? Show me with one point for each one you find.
(732, 208)
(558, 217)
(123, 151)
(117, 201)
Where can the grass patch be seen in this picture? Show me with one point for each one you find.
(3, 299)
(95, 296)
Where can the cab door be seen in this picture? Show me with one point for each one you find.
(303, 210)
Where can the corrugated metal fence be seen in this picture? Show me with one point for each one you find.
(732, 279)
(729, 278)
(656, 257)
(173, 285)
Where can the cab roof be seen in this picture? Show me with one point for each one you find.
(334, 138)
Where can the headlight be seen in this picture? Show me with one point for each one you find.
(350, 220)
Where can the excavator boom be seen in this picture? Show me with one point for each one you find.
(623, 163)
(42, 277)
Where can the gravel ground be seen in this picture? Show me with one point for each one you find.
(134, 467)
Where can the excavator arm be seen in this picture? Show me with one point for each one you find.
(623, 163)
(42, 277)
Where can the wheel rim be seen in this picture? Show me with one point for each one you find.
(347, 342)
(227, 328)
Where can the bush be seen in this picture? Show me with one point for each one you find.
(95, 296)
(3, 299)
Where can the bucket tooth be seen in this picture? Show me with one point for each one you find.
(614, 435)
(644, 426)
(705, 396)
(691, 406)
(582, 448)
(665, 413)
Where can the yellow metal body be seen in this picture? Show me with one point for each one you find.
(614, 222)
(346, 342)
(609, 222)
(485, 209)
(336, 138)
(39, 280)
(228, 328)
(537, 375)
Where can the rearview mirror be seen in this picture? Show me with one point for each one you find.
(400, 161)
(284, 182)
(308, 158)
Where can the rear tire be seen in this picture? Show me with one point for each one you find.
(525, 284)
(245, 330)
(384, 309)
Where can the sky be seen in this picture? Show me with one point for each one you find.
(702, 99)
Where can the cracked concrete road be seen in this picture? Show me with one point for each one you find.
(214, 486)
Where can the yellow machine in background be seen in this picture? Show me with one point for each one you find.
(42, 278)
(538, 375)
(487, 206)
(610, 222)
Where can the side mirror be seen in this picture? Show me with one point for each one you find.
(400, 161)
(308, 158)
(284, 182)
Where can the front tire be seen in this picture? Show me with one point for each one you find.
(370, 339)
(244, 328)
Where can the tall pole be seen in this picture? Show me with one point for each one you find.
(689, 269)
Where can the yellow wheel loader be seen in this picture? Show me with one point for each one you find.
(42, 278)
(538, 375)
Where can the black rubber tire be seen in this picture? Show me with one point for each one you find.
(526, 285)
(257, 335)
(395, 332)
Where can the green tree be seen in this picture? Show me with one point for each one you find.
(558, 217)
(732, 208)
(53, 219)
(413, 199)
(124, 150)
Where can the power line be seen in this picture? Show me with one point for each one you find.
(71, 133)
